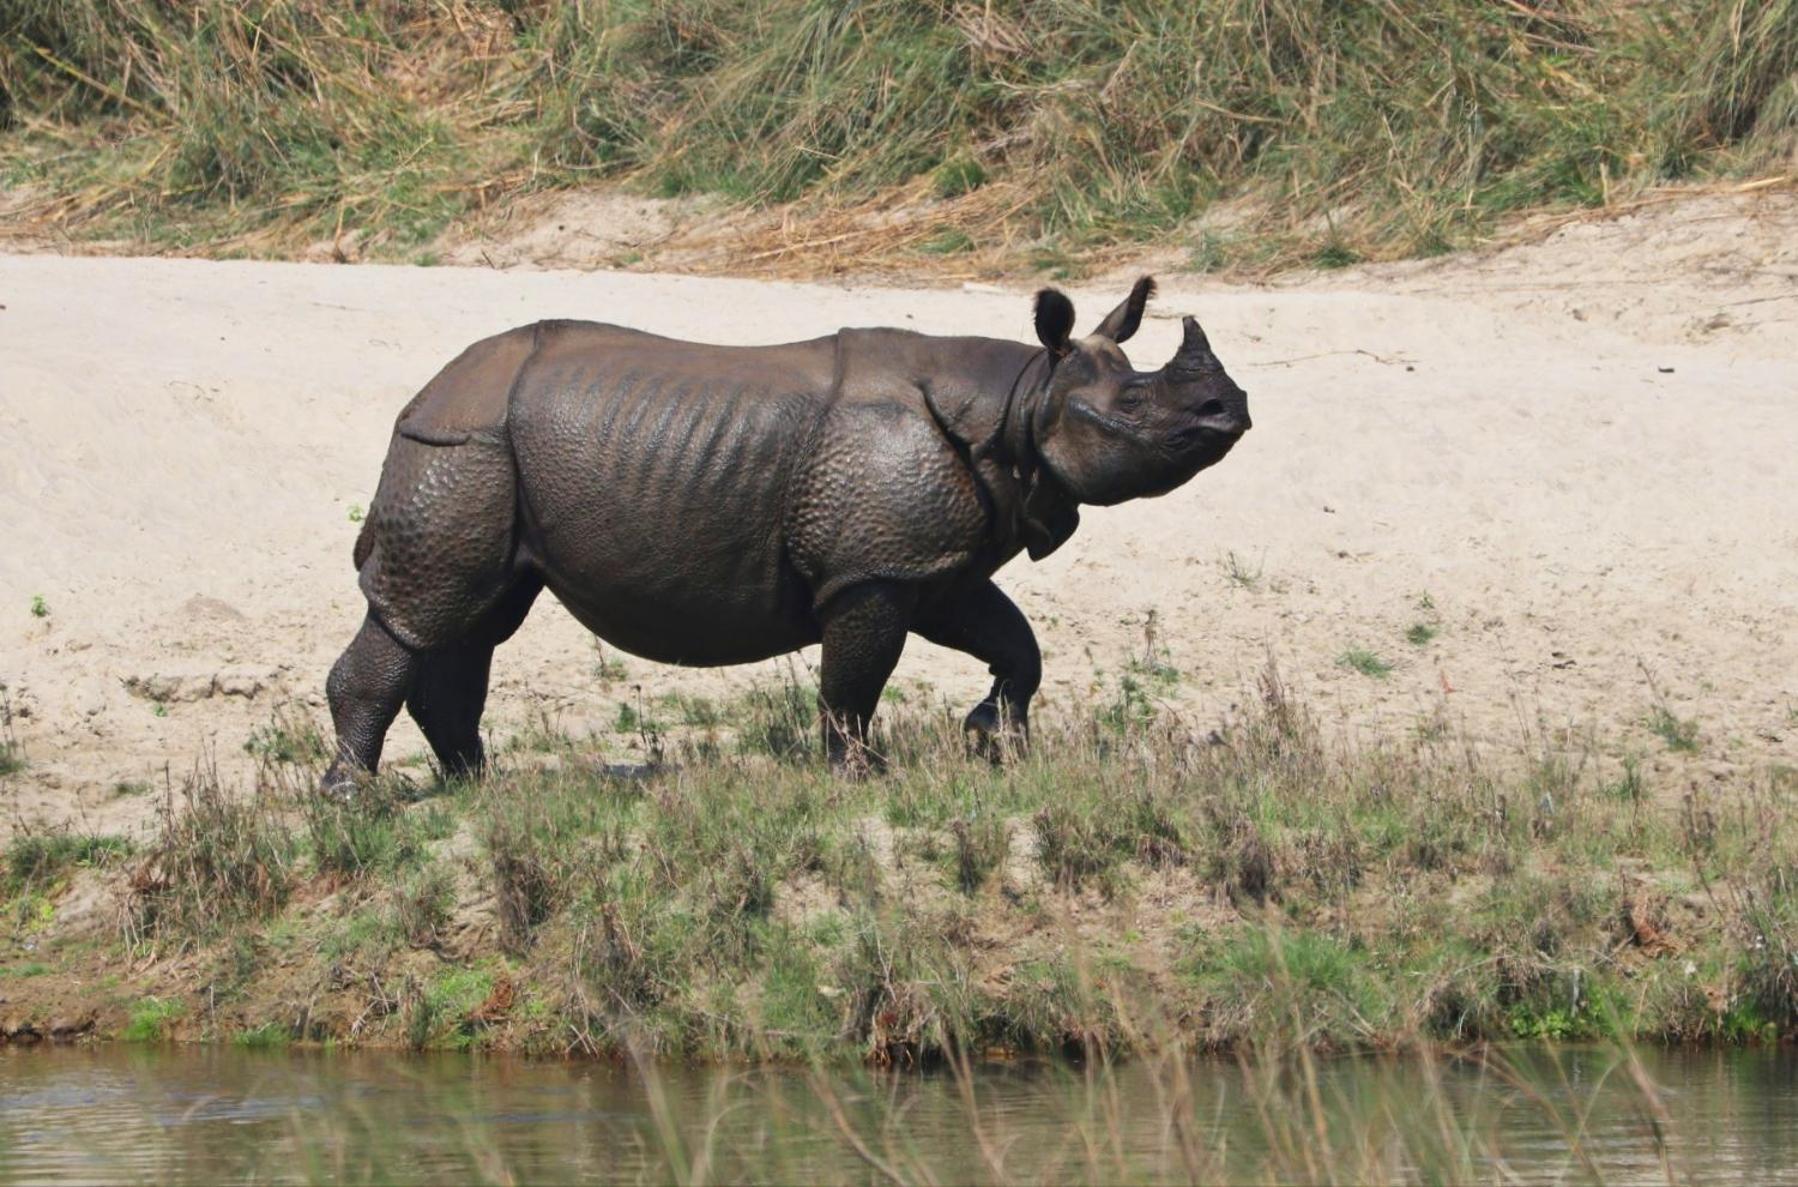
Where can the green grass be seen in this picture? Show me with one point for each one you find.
(1238, 573)
(1123, 886)
(39, 607)
(1360, 659)
(1060, 128)
(35, 859)
(151, 1019)
(268, 1036)
(1678, 733)
(1419, 634)
(288, 738)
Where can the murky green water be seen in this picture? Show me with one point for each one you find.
(120, 1114)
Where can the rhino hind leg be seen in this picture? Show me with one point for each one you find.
(449, 689)
(367, 685)
(439, 562)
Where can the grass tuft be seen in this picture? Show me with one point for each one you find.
(1359, 659)
(35, 859)
(1677, 732)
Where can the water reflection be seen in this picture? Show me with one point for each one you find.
(114, 1114)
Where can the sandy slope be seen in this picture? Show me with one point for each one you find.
(1582, 452)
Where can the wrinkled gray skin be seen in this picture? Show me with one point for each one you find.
(711, 505)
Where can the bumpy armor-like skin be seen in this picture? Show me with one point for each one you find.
(709, 505)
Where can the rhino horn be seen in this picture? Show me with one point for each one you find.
(1195, 349)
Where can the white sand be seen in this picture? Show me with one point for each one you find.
(1582, 452)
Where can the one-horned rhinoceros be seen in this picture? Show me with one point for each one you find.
(712, 505)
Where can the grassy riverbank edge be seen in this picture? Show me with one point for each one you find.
(1131, 885)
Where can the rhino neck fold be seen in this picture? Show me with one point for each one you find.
(1047, 512)
(1017, 423)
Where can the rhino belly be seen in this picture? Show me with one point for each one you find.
(666, 608)
(654, 509)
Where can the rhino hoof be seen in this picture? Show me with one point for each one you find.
(993, 737)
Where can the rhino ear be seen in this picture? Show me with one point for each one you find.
(1054, 320)
(1122, 322)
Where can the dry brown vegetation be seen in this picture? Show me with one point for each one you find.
(980, 137)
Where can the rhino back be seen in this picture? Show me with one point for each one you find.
(654, 477)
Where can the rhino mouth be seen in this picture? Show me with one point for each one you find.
(1205, 439)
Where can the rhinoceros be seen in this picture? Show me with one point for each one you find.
(710, 505)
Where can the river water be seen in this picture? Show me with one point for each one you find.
(117, 1113)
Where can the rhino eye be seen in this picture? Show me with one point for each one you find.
(1129, 399)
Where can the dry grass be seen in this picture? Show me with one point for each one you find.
(969, 138)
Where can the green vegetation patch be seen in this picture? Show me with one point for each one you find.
(1359, 131)
(1261, 885)
(36, 859)
(151, 1020)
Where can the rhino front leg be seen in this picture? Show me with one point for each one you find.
(864, 632)
(985, 624)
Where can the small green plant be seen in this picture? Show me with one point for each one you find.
(1335, 254)
(285, 739)
(422, 904)
(1131, 708)
(1420, 633)
(1679, 734)
(1367, 663)
(608, 669)
(159, 709)
(1238, 573)
(1628, 787)
(355, 512)
(366, 832)
(700, 712)
(981, 845)
(268, 1036)
(12, 758)
(1208, 254)
(150, 1020)
(629, 720)
(442, 1012)
(949, 241)
(780, 721)
(1433, 726)
(39, 607)
(957, 176)
(34, 859)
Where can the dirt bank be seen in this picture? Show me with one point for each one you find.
(1565, 471)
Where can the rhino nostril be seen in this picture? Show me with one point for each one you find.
(1212, 407)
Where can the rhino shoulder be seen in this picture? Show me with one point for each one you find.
(883, 496)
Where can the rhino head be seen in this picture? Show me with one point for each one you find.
(1106, 432)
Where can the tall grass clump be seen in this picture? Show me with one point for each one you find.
(1348, 131)
(219, 857)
